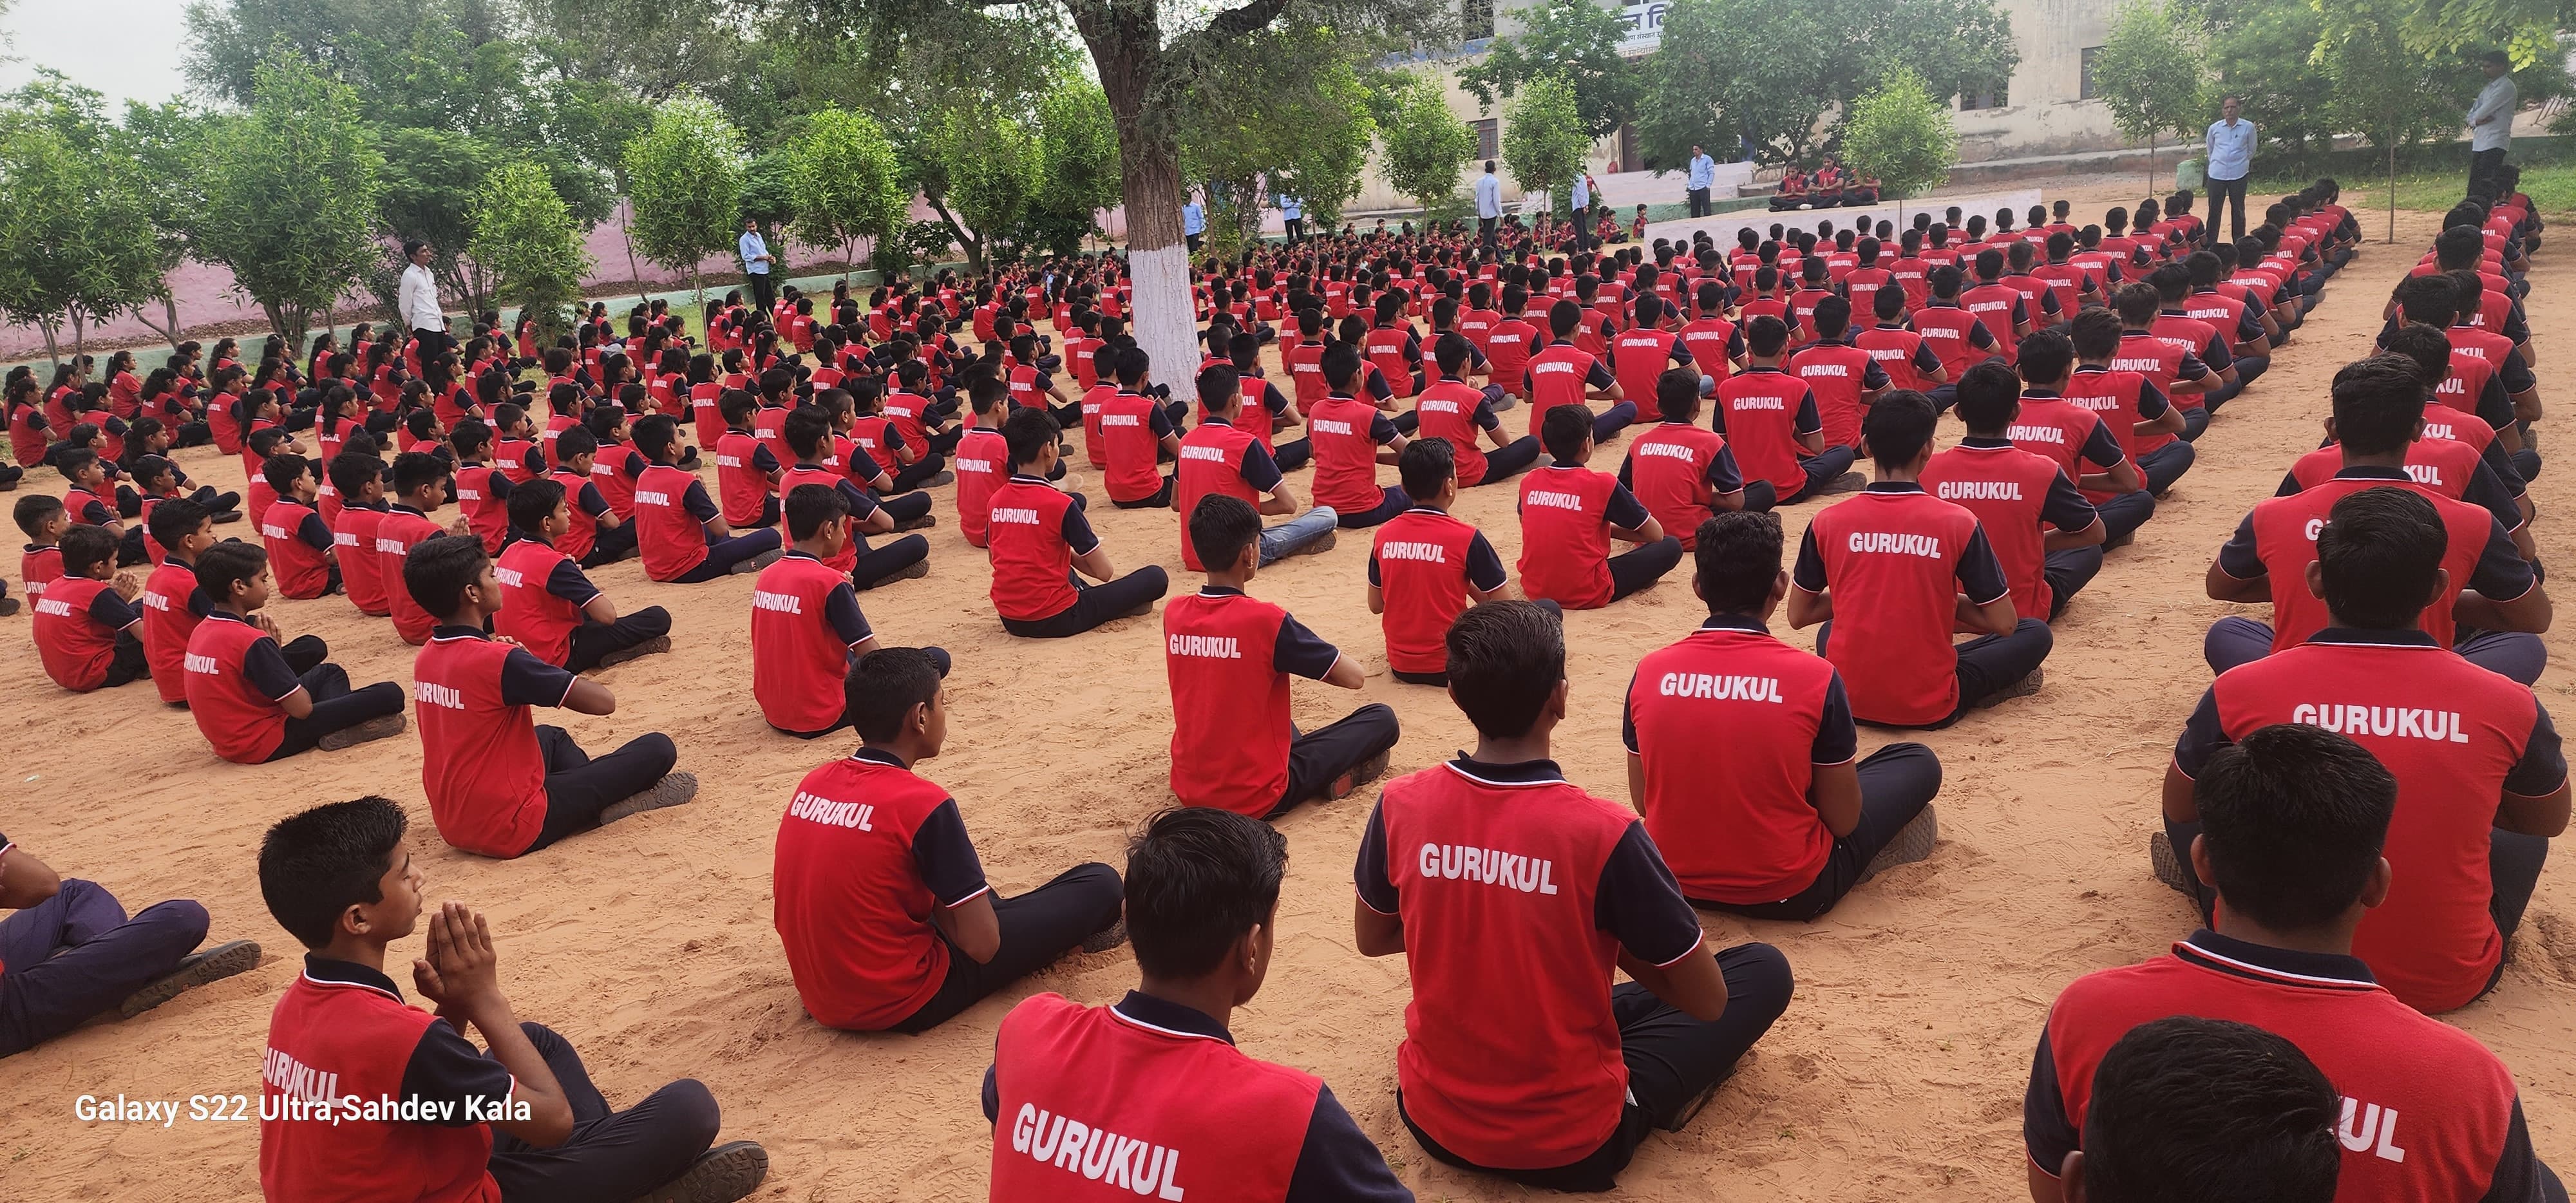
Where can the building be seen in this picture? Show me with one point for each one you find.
(2046, 109)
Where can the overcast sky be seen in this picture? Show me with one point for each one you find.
(128, 49)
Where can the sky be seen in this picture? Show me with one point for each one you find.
(127, 49)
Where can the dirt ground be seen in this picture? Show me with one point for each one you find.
(1896, 1073)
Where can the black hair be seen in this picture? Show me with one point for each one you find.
(736, 407)
(2379, 553)
(2046, 356)
(1898, 427)
(2095, 333)
(314, 866)
(2429, 299)
(1887, 303)
(469, 437)
(2427, 347)
(1765, 335)
(575, 442)
(654, 435)
(2293, 818)
(2137, 303)
(1029, 433)
(282, 471)
(227, 564)
(72, 461)
(534, 501)
(807, 432)
(884, 686)
(1564, 430)
(1340, 364)
(1132, 364)
(1198, 878)
(412, 469)
(1989, 397)
(1505, 660)
(1676, 394)
(174, 520)
(2377, 402)
(350, 471)
(85, 547)
(1944, 281)
(2213, 1111)
(1220, 387)
(809, 507)
(1425, 466)
(1737, 558)
(1221, 527)
(439, 570)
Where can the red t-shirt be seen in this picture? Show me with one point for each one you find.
(1346, 434)
(1032, 536)
(1227, 657)
(1763, 410)
(982, 463)
(234, 679)
(1838, 374)
(1677, 470)
(1132, 426)
(671, 511)
(1561, 375)
(480, 766)
(2279, 539)
(171, 611)
(1566, 514)
(301, 570)
(1896, 559)
(1423, 562)
(804, 620)
(353, 544)
(331, 1039)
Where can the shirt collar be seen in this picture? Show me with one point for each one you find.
(879, 756)
(2410, 637)
(2040, 394)
(2370, 472)
(1025, 478)
(1219, 591)
(1895, 486)
(399, 508)
(1735, 622)
(793, 554)
(1527, 772)
(1979, 440)
(451, 631)
(1165, 1015)
(225, 616)
(348, 973)
(2325, 966)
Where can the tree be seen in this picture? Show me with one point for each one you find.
(1281, 109)
(80, 245)
(1077, 165)
(2265, 52)
(985, 163)
(1773, 72)
(684, 183)
(527, 243)
(2392, 95)
(1425, 143)
(1543, 138)
(292, 188)
(1903, 136)
(167, 141)
(2149, 75)
(1576, 41)
(845, 183)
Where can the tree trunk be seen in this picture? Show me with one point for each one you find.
(53, 350)
(80, 333)
(1126, 46)
(2151, 163)
(626, 234)
(2392, 191)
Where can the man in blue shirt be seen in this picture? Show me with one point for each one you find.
(755, 264)
(2230, 145)
(1489, 204)
(1193, 223)
(1703, 175)
(1293, 212)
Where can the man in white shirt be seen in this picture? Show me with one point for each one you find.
(755, 266)
(2230, 146)
(1580, 197)
(2490, 122)
(1489, 204)
(418, 298)
(1703, 176)
(1193, 224)
(1292, 213)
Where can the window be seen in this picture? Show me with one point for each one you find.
(1475, 19)
(1489, 137)
(1996, 99)
(2084, 74)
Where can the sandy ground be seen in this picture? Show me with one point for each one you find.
(1897, 1072)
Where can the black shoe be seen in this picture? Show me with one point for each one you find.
(727, 1172)
(195, 969)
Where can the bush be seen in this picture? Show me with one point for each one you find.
(1901, 135)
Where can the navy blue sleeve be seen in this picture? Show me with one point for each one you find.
(1640, 904)
(2488, 492)
(893, 440)
(568, 582)
(2240, 556)
(2249, 324)
(1599, 376)
(2501, 572)
(2048, 1134)
(1259, 470)
(2193, 368)
(861, 503)
(2066, 509)
(1837, 737)
(1624, 511)
(2495, 407)
(1337, 1163)
(1377, 385)
(694, 500)
(1484, 566)
(1724, 476)
(1872, 376)
(95, 513)
(528, 681)
(1925, 358)
(2542, 768)
(946, 857)
(1301, 651)
(265, 667)
(113, 612)
(1681, 353)
(1980, 337)
(446, 1068)
(534, 460)
(1810, 571)
(1158, 421)
(1981, 576)
(841, 610)
(1809, 420)
(762, 460)
(2102, 447)
(1077, 532)
(1272, 399)
(2201, 737)
(2516, 375)
(1382, 429)
(1369, 875)
(591, 500)
(2496, 460)
(2151, 401)
(861, 465)
(314, 532)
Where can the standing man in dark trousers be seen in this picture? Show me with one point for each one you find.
(419, 302)
(1703, 175)
(2490, 122)
(755, 265)
(2230, 147)
(1292, 215)
(1489, 205)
